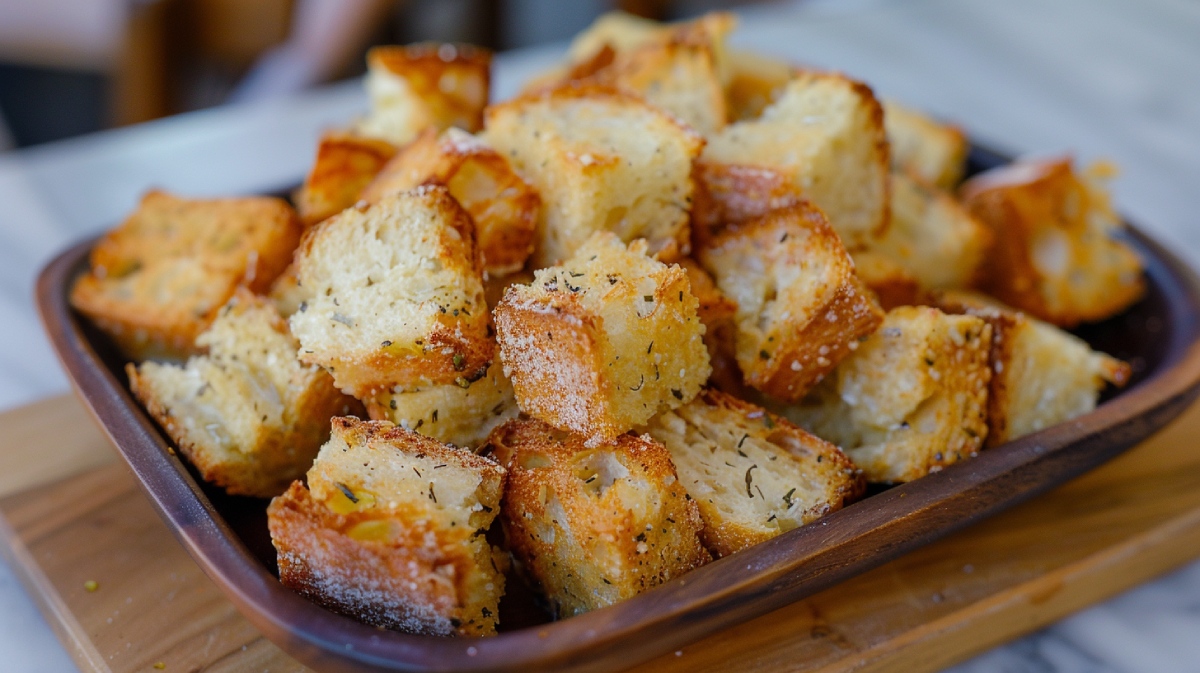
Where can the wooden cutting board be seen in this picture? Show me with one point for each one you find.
(71, 515)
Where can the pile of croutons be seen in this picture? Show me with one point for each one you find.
(671, 301)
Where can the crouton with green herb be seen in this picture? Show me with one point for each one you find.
(604, 341)
(391, 530)
(593, 525)
(754, 475)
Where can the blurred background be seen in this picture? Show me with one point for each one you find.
(69, 67)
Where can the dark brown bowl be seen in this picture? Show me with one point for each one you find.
(227, 536)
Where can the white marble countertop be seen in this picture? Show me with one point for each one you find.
(1099, 78)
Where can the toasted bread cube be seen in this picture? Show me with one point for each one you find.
(503, 206)
(754, 475)
(731, 194)
(158, 280)
(594, 525)
(622, 33)
(394, 295)
(601, 161)
(450, 413)
(933, 151)
(344, 166)
(604, 341)
(421, 85)
(911, 399)
(892, 284)
(1056, 254)
(248, 414)
(801, 308)
(679, 76)
(1041, 375)
(756, 81)
(390, 531)
(825, 132)
(932, 236)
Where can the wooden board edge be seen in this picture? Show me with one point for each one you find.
(45, 596)
(1030, 606)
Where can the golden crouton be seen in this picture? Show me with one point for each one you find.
(248, 415)
(753, 474)
(449, 412)
(394, 295)
(801, 308)
(1040, 374)
(932, 236)
(602, 161)
(911, 399)
(594, 525)
(158, 280)
(345, 164)
(1056, 255)
(503, 206)
(679, 76)
(421, 85)
(825, 132)
(604, 341)
(390, 531)
(622, 33)
(934, 152)
(731, 193)
(756, 81)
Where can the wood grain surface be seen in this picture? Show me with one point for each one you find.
(70, 515)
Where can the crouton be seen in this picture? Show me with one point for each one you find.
(679, 76)
(801, 308)
(602, 161)
(421, 85)
(248, 415)
(450, 413)
(910, 400)
(932, 236)
(754, 475)
(933, 151)
(158, 280)
(394, 295)
(390, 531)
(622, 33)
(503, 206)
(594, 525)
(756, 81)
(1056, 254)
(602, 342)
(825, 132)
(345, 164)
(731, 193)
(495, 286)
(1041, 375)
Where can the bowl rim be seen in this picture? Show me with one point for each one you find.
(716, 596)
